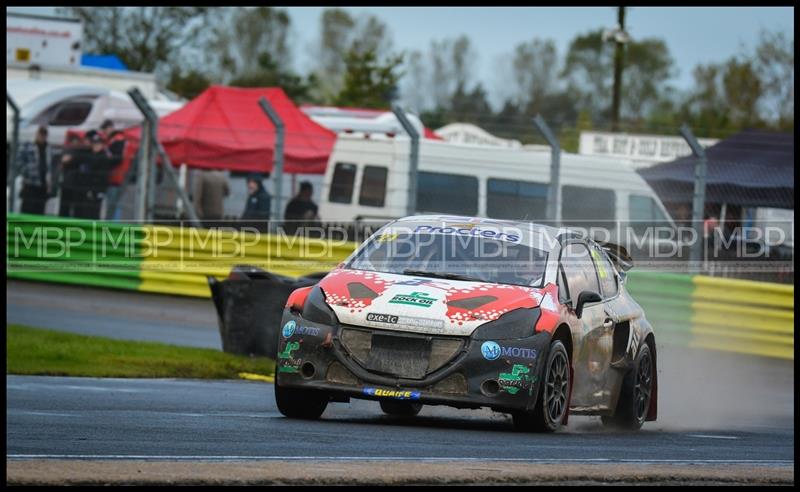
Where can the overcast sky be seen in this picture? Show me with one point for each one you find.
(693, 34)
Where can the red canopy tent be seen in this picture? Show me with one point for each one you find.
(225, 128)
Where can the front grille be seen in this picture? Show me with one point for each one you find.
(409, 356)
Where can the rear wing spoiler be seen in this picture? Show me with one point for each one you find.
(619, 256)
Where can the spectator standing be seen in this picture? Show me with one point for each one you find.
(209, 192)
(258, 203)
(34, 160)
(115, 142)
(90, 169)
(71, 191)
(301, 211)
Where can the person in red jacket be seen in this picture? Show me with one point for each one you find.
(115, 143)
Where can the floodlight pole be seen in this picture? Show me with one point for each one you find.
(554, 190)
(699, 198)
(277, 156)
(413, 158)
(144, 205)
(12, 168)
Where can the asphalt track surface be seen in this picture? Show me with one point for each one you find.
(89, 418)
(714, 408)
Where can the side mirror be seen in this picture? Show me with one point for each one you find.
(585, 297)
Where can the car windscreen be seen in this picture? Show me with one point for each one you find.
(460, 257)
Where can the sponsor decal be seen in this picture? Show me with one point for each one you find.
(428, 324)
(517, 379)
(287, 352)
(291, 328)
(382, 318)
(427, 282)
(493, 350)
(288, 329)
(386, 237)
(389, 393)
(469, 231)
(599, 263)
(420, 299)
(521, 352)
(490, 350)
(285, 361)
(307, 330)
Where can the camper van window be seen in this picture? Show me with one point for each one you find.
(373, 186)
(71, 114)
(342, 185)
(447, 193)
(518, 200)
(587, 207)
(644, 213)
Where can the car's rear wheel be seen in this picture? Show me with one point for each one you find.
(400, 408)
(634, 397)
(300, 403)
(553, 398)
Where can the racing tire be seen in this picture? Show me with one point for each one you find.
(635, 393)
(553, 398)
(300, 403)
(400, 408)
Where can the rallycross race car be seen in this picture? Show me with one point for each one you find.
(440, 310)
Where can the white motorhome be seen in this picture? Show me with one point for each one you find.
(367, 179)
(64, 105)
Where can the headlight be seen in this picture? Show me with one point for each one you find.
(519, 323)
(315, 309)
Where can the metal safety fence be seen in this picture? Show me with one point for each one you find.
(686, 310)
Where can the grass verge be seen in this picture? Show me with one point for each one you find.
(35, 351)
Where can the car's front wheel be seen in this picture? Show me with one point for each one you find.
(551, 404)
(300, 403)
(400, 408)
(634, 397)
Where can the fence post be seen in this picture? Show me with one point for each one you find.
(150, 135)
(12, 168)
(413, 158)
(143, 164)
(554, 190)
(699, 198)
(277, 156)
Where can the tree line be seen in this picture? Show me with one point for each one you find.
(356, 64)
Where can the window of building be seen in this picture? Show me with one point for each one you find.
(587, 207)
(518, 200)
(447, 193)
(71, 114)
(373, 186)
(644, 212)
(344, 175)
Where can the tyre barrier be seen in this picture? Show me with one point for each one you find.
(249, 308)
(687, 310)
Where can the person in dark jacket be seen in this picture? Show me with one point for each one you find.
(92, 168)
(301, 211)
(34, 160)
(258, 203)
(72, 192)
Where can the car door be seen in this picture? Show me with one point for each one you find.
(593, 347)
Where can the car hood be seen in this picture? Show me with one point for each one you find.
(423, 304)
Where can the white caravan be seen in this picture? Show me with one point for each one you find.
(367, 179)
(64, 105)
